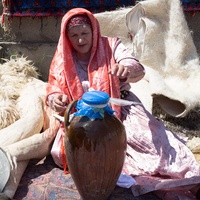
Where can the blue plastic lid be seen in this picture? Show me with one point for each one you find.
(95, 97)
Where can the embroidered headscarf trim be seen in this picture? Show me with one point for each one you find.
(78, 20)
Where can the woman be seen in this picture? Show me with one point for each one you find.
(156, 160)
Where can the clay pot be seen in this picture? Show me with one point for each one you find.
(95, 151)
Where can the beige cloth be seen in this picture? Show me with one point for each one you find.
(163, 43)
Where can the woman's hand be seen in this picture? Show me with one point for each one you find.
(58, 102)
(120, 71)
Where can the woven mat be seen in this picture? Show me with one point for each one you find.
(45, 181)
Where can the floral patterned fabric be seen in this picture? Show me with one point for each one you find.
(191, 5)
(60, 7)
(41, 8)
(44, 180)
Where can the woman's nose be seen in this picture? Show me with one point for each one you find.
(80, 40)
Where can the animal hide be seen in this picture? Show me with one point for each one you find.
(113, 24)
(14, 74)
(27, 125)
(30, 106)
(163, 43)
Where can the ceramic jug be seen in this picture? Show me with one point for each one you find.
(95, 145)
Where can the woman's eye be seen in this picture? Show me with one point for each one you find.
(73, 36)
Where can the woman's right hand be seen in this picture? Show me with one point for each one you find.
(58, 102)
(120, 71)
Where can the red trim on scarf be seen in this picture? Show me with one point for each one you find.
(6, 10)
(64, 158)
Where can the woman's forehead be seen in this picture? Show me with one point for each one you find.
(79, 28)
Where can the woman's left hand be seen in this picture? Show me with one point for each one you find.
(120, 71)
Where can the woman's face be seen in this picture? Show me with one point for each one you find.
(81, 39)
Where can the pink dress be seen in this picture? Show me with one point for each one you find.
(156, 159)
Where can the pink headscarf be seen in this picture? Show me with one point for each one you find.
(63, 76)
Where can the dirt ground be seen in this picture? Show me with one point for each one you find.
(187, 127)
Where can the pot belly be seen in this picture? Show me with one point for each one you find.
(95, 155)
